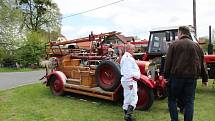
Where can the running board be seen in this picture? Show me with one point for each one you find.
(93, 92)
(73, 81)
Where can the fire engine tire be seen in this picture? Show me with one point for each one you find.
(56, 86)
(145, 97)
(108, 75)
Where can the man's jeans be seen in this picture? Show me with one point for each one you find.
(181, 87)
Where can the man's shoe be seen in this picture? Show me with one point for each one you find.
(128, 115)
(181, 110)
(125, 111)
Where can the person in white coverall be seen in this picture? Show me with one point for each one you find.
(129, 71)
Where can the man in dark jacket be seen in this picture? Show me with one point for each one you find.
(184, 64)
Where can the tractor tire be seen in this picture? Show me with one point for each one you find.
(145, 97)
(108, 75)
(211, 71)
(161, 93)
(56, 86)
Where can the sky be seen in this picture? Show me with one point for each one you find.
(133, 17)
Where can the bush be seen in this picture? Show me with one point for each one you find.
(7, 58)
(32, 50)
(9, 61)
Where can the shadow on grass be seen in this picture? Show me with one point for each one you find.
(118, 103)
(85, 98)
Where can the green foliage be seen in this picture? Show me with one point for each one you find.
(9, 61)
(10, 25)
(7, 58)
(40, 14)
(17, 43)
(32, 50)
(204, 46)
(2, 54)
(11, 35)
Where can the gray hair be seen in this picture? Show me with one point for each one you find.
(128, 46)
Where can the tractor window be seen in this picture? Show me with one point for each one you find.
(173, 35)
(158, 43)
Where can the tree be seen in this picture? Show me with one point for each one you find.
(33, 49)
(10, 25)
(11, 33)
(204, 42)
(24, 29)
(204, 46)
(40, 14)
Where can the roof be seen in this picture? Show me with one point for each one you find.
(130, 38)
(61, 36)
(202, 41)
(122, 37)
(141, 42)
(84, 44)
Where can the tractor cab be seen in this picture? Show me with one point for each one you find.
(159, 42)
(160, 39)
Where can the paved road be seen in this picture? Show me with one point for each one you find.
(13, 79)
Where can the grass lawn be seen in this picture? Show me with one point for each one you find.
(16, 69)
(36, 103)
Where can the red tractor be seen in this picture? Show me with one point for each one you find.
(210, 59)
(93, 72)
(159, 41)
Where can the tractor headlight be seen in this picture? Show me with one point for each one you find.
(152, 71)
(147, 66)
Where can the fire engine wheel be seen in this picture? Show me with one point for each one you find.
(108, 75)
(145, 97)
(56, 86)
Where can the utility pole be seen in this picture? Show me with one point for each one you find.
(213, 35)
(210, 45)
(194, 16)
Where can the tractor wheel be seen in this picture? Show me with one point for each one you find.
(56, 86)
(145, 97)
(161, 93)
(108, 75)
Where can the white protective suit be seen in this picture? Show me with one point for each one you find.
(129, 69)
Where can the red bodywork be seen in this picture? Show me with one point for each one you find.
(144, 79)
(140, 43)
(159, 80)
(55, 73)
(209, 58)
(142, 66)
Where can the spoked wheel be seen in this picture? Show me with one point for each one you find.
(145, 97)
(56, 86)
(108, 75)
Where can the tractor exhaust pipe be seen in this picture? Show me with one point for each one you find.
(210, 45)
